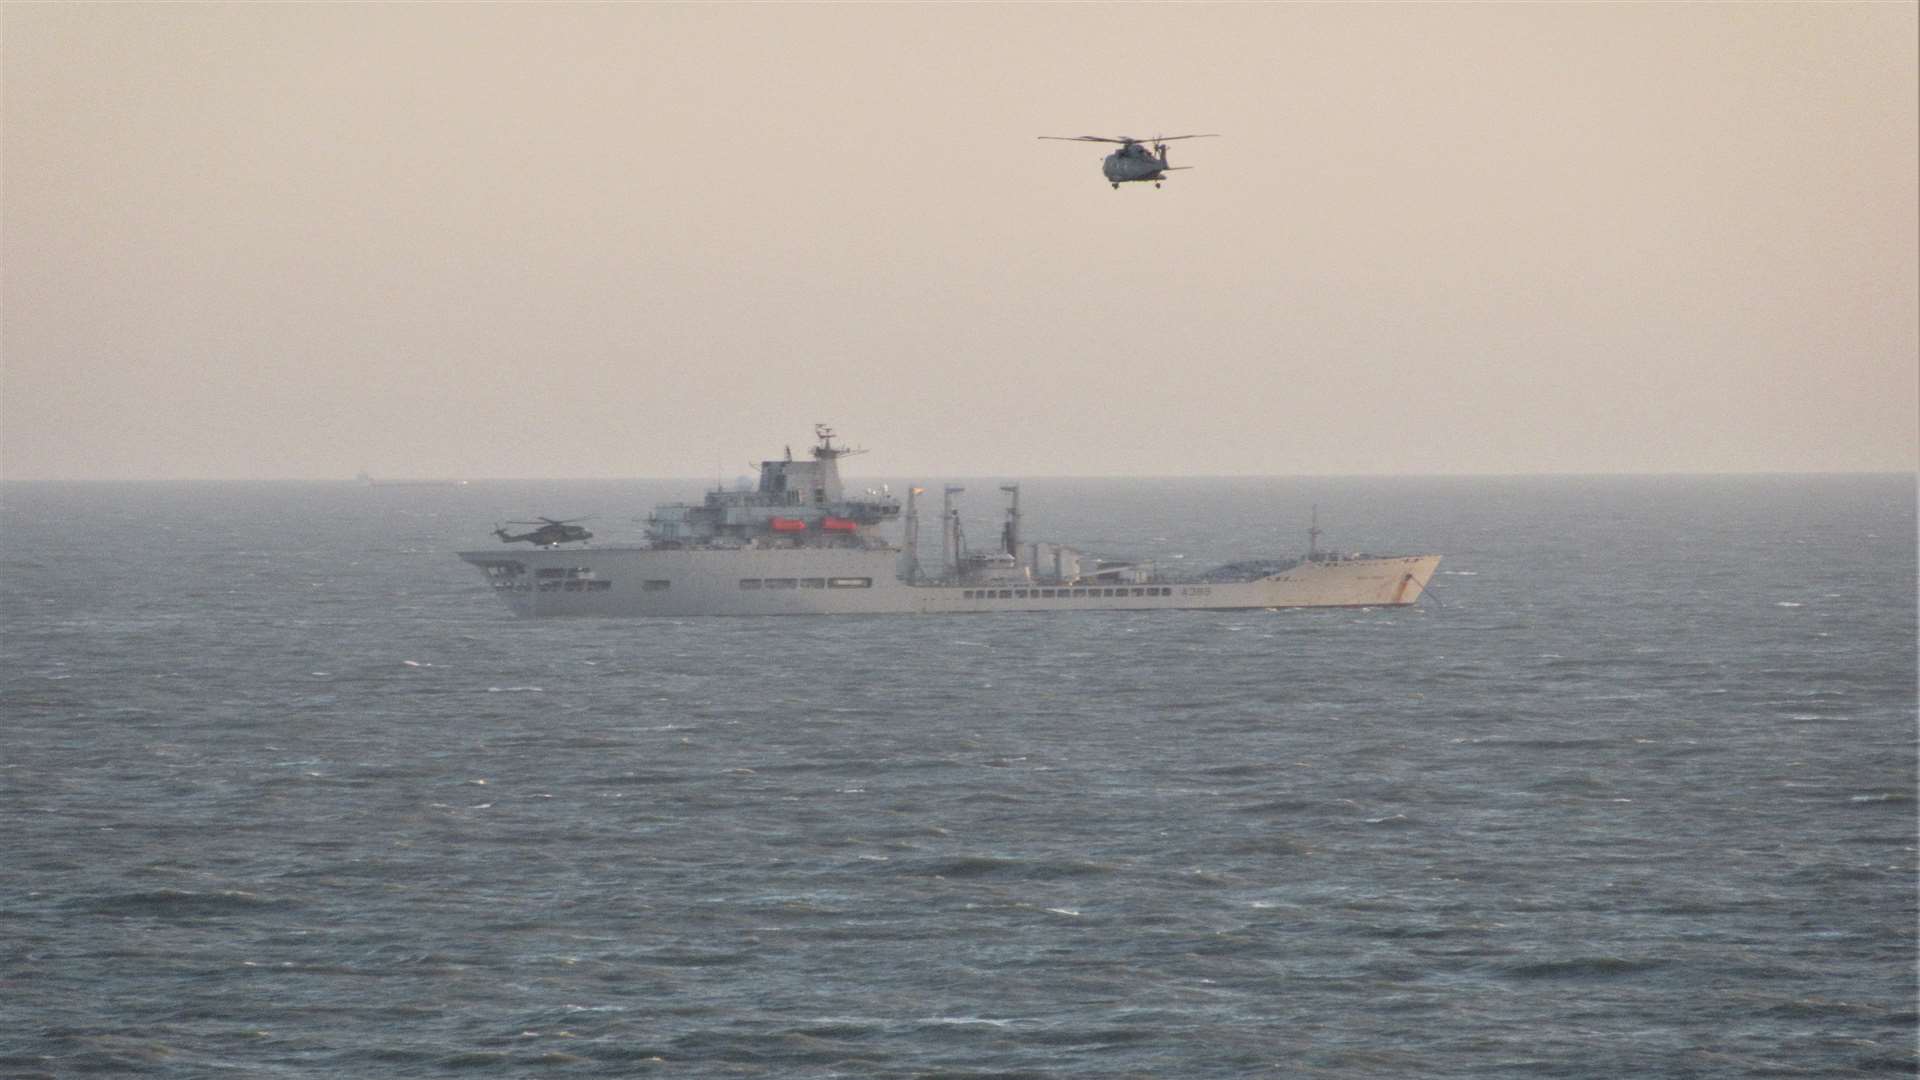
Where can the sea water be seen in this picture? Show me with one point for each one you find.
(284, 791)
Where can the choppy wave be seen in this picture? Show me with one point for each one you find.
(179, 903)
(1609, 811)
(1583, 967)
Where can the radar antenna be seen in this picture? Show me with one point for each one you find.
(826, 450)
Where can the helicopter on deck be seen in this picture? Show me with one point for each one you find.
(549, 533)
(1133, 162)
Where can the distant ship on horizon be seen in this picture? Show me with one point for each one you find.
(800, 544)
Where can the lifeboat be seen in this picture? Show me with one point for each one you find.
(834, 524)
(789, 524)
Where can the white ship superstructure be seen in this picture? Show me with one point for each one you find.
(799, 544)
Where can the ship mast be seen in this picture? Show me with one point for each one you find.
(1010, 535)
(950, 532)
(1313, 534)
(826, 451)
(911, 541)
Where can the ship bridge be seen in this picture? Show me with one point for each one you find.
(796, 502)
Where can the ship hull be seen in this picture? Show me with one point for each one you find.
(656, 582)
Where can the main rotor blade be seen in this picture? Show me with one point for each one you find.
(1084, 138)
(1170, 138)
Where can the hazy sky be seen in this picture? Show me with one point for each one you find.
(277, 240)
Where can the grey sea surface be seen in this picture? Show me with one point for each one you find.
(285, 792)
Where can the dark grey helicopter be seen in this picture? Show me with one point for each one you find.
(1133, 162)
(549, 533)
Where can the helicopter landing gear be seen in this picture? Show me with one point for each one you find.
(1156, 184)
(1116, 187)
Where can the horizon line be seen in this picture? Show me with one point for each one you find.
(401, 481)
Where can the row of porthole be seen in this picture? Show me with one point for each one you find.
(576, 585)
(807, 583)
(1061, 594)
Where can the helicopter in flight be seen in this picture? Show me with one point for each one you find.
(549, 533)
(1133, 162)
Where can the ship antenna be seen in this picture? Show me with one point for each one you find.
(826, 449)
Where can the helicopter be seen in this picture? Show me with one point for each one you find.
(1133, 162)
(549, 533)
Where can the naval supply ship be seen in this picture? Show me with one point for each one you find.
(801, 544)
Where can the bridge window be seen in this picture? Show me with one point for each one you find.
(653, 585)
(850, 583)
(749, 582)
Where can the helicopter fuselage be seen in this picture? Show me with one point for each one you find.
(547, 536)
(1122, 171)
(1133, 162)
